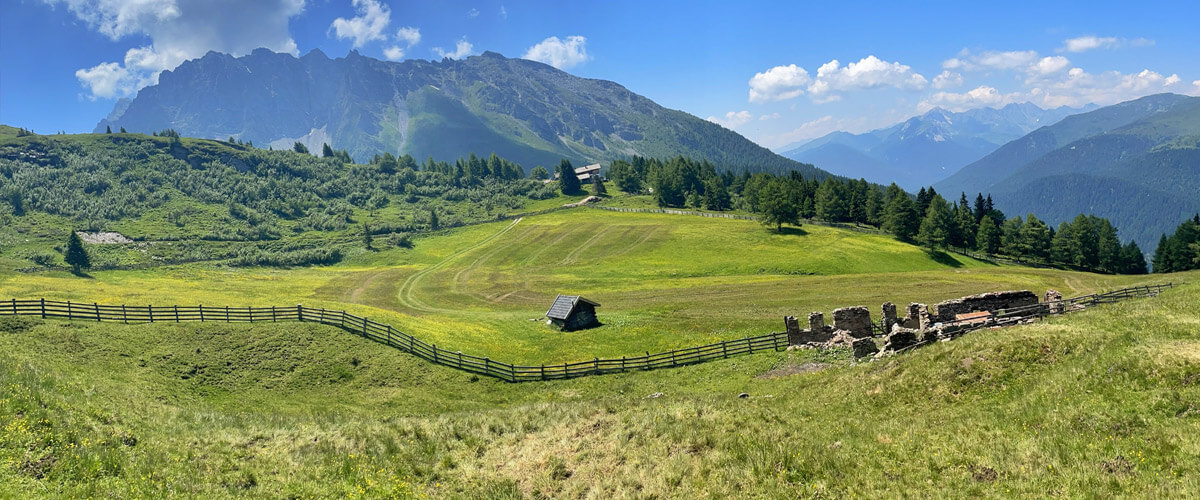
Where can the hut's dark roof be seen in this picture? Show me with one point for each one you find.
(564, 304)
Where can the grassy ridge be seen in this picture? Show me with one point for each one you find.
(1101, 403)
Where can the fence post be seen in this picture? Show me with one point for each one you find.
(364, 326)
(411, 344)
(14, 305)
(543, 371)
(273, 314)
(459, 360)
(672, 357)
(97, 306)
(177, 313)
(201, 308)
(749, 345)
(124, 314)
(43, 308)
(300, 313)
(596, 365)
(724, 349)
(622, 363)
(435, 359)
(389, 342)
(226, 314)
(487, 365)
(69, 316)
(150, 312)
(250, 310)
(322, 320)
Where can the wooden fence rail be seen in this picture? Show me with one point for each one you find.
(386, 334)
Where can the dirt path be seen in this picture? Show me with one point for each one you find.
(406, 296)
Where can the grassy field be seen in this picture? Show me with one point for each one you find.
(663, 282)
(1102, 403)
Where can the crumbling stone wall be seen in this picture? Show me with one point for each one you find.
(992, 301)
(856, 320)
(889, 316)
(1053, 301)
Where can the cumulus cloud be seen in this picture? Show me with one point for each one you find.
(772, 116)
(947, 79)
(373, 17)
(787, 82)
(562, 54)
(778, 83)
(733, 119)
(462, 49)
(1049, 65)
(408, 36)
(473, 13)
(869, 72)
(178, 30)
(394, 53)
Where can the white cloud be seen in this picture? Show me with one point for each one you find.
(1091, 42)
(991, 60)
(562, 54)
(976, 98)
(1110, 87)
(409, 35)
(733, 119)
(393, 53)
(868, 73)
(473, 13)
(1049, 65)
(503, 12)
(947, 79)
(1196, 86)
(772, 116)
(462, 49)
(178, 30)
(778, 83)
(373, 17)
(1085, 43)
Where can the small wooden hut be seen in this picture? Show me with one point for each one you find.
(572, 312)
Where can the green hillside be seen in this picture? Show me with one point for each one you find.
(1097, 404)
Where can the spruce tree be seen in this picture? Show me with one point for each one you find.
(900, 218)
(568, 183)
(366, 236)
(77, 256)
(1160, 256)
(107, 129)
(326, 151)
(598, 186)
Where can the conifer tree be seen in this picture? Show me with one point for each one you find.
(77, 256)
(987, 239)
(900, 218)
(934, 232)
(568, 183)
(598, 186)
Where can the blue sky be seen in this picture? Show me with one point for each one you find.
(777, 72)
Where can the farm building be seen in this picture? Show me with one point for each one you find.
(572, 312)
(586, 173)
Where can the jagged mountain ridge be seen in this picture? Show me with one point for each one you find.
(923, 149)
(522, 110)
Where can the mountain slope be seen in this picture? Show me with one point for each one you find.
(1136, 163)
(522, 110)
(923, 149)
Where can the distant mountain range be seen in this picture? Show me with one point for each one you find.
(924, 149)
(522, 110)
(1136, 163)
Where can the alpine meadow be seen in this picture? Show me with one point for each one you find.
(534, 250)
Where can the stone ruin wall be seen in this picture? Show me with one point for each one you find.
(992, 301)
(852, 326)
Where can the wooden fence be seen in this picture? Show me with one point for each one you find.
(386, 334)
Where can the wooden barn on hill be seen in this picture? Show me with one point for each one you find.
(572, 312)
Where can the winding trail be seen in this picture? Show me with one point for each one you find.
(406, 296)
